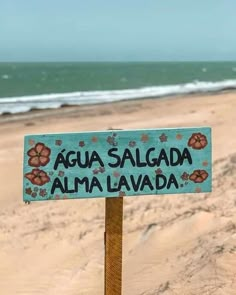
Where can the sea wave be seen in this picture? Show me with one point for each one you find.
(21, 104)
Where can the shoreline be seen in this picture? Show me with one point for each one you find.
(53, 100)
(66, 109)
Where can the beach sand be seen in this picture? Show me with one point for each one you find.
(178, 244)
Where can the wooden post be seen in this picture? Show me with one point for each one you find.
(113, 246)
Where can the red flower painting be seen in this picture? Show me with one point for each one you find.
(39, 155)
(81, 143)
(197, 141)
(163, 137)
(37, 177)
(185, 176)
(198, 176)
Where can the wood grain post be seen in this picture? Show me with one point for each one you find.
(113, 246)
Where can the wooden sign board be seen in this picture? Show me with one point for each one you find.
(117, 163)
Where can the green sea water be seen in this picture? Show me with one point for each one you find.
(23, 79)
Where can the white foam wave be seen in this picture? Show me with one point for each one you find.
(5, 76)
(46, 101)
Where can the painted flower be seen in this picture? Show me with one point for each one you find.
(42, 192)
(95, 171)
(111, 140)
(179, 136)
(39, 155)
(132, 143)
(61, 173)
(34, 195)
(116, 174)
(28, 191)
(37, 177)
(197, 141)
(102, 169)
(81, 143)
(163, 137)
(31, 142)
(144, 138)
(94, 139)
(158, 171)
(198, 176)
(185, 176)
(58, 142)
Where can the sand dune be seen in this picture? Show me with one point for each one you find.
(173, 245)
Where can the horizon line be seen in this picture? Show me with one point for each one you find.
(114, 61)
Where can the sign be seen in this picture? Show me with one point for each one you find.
(117, 163)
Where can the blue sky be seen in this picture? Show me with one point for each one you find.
(112, 30)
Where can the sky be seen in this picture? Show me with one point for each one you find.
(117, 30)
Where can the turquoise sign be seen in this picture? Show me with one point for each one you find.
(117, 163)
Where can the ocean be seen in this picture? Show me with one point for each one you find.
(26, 86)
